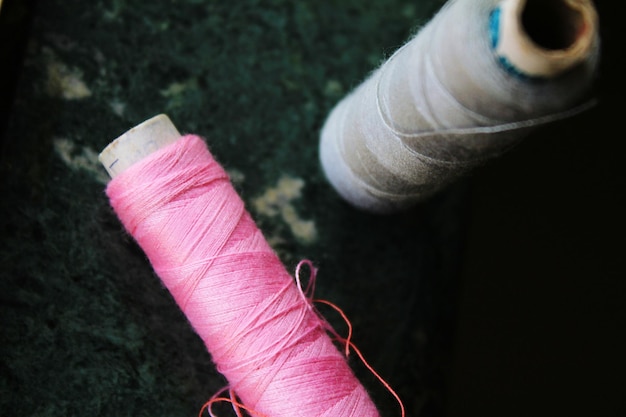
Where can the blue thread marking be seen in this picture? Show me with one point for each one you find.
(494, 27)
(494, 37)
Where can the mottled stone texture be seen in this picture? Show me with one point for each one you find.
(86, 327)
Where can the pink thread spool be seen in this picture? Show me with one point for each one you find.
(260, 329)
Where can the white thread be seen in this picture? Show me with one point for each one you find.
(444, 102)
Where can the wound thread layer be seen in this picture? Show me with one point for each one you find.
(262, 333)
(442, 104)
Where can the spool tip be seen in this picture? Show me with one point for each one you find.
(137, 143)
(544, 38)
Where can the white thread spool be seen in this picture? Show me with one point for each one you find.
(450, 99)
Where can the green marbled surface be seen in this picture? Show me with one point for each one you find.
(87, 327)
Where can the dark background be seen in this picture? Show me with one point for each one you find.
(542, 309)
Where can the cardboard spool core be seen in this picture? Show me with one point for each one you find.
(544, 38)
(137, 143)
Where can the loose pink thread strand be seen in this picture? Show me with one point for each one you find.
(346, 342)
(263, 336)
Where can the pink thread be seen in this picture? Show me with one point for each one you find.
(261, 331)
